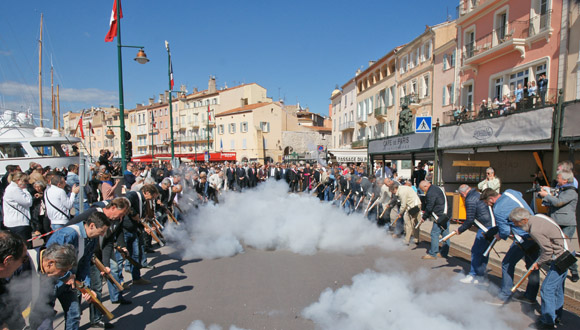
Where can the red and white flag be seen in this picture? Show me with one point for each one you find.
(80, 125)
(113, 23)
(208, 113)
(91, 128)
(171, 72)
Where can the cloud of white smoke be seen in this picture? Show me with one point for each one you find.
(199, 325)
(268, 218)
(399, 300)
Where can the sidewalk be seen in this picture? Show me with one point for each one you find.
(464, 242)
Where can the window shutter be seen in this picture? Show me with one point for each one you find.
(444, 95)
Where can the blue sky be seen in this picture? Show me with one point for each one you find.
(298, 50)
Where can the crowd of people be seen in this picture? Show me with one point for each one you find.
(76, 240)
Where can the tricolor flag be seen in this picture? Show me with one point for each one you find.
(113, 23)
(91, 128)
(171, 82)
(152, 120)
(208, 114)
(80, 125)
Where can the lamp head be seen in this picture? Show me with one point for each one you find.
(141, 57)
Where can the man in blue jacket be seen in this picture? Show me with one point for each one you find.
(476, 209)
(84, 238)
(522, 247)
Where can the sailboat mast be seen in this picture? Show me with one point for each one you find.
(40, 72)
(58, 103)
(52, 105)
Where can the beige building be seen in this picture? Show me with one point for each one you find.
(254, 132)
(572, 53)
(415, 74)
(445, 80)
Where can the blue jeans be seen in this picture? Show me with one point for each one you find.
(70, 302)
(116, 269)
(552, 295)
(132, 241)
(508, 264)
(478, 261)
(570, 231)
(437, 232)
(97, 286)
(56, 227)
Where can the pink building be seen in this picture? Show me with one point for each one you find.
(504, 43)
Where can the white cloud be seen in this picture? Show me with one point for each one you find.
(86, 95)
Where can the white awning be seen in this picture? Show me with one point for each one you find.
(349, 155)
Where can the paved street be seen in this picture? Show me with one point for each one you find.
(269, 289)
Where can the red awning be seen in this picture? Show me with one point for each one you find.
(199, 157)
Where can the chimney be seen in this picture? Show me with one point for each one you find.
(358, 72)
(371, 63)
(211, 88)
(151, 100)
(195, 90)
(166, 98)
(161, 100)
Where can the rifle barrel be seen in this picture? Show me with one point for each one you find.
(94, 300)
(109, 277)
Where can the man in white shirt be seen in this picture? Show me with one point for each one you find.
(58, 204)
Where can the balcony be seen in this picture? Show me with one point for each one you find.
(541, 26)
(498, 42)
(211, 123)
(195, 138)
(194, 124)
(360, 144)
(349, 125)
(409, 100)
(381, 113)
(362, 120)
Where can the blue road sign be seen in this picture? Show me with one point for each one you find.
(320, 148)
(423, 124)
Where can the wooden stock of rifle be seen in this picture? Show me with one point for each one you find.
(318, 185)
(172, 217)
(94, 300)
(451, 234)
(127, 257)
(526, 275)
(152, 232)
(344, 202)
(103, 270)
(383, 213)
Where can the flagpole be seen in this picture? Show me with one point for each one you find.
(121, 98)
(170, 69)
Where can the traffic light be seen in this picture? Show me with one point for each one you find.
(128, 150)
(128, 146)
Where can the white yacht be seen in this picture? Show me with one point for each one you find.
(22, 142)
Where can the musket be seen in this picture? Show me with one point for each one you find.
(337, 196)
(369, 207)
(482, 227)
(383, 213)
(127, 257)
(419, 223)
(448, 236)
(318, 185)
(94, 300)
(359, 201)
(344, 201)
(395, 222)
(172, 217)
(152, 233)
(486, 253)
(158, 224)
(526, 275)
(103, 270)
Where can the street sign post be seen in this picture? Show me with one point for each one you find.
(423, 124)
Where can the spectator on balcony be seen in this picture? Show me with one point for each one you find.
(543, 88)
(519, 95)
(532, 89)
(505, 105)
(484, 110)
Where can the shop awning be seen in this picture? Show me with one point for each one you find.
(349, 155)
(570, 127)
(199, 157)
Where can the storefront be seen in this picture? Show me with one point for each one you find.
(405, 150)
(199, 157)
(505, 143)
(348, 156)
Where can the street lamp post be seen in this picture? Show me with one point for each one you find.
(141, 59)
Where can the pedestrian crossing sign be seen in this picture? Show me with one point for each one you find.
(423, 124)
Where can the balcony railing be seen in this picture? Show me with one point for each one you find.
(380, 111)
(513, 30)
(540, 23)
(346, 125)
(362, 143)
(200, 138)
(409, 99)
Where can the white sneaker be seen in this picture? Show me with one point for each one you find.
(469, 279)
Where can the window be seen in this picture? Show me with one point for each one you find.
(445, 64)
(468, 96)
(428, 50)
(518, 78)
(370, 105)
(232, 128)
(221, 129)
(444, 96)
(498, 88)
(414, 87)
(469, 43)
(452, 60)
(244, 145)
(425, 86)
(540, 69)
(500, 26)
(452, 93)
(412, 61)
(244, 127)
(265, 126)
